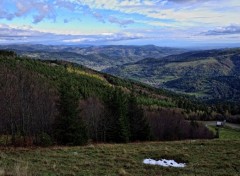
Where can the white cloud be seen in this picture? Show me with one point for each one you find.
(212, 12)
(226, 30)
(40, 8)
(25, 34)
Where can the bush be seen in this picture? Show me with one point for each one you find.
(45, 140)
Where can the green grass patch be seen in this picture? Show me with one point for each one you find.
(227, 133)
(151, 101)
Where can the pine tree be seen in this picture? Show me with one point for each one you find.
(119, 126)
(139, 127)
(69, 128)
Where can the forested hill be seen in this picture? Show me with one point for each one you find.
(212, 75)
(57, 102)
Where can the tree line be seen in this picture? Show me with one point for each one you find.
(44, 104)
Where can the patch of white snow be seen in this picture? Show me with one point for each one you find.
(164, 162)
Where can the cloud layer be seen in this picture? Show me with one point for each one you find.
(26, 35)
(118, 20)
(177, 10)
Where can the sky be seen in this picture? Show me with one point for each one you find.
(178, 23)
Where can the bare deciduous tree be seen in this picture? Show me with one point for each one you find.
(92, 112)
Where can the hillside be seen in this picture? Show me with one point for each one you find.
(58, 102)
(209, 75)
(95, 57)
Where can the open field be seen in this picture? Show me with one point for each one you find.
(227, 133)
(203, 157)
(230, 125)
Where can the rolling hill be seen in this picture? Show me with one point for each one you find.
(208, 75)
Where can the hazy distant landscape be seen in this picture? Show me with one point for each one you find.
(95, 57)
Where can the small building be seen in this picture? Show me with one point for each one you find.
(220, 124)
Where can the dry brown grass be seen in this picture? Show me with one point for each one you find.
(203, 157)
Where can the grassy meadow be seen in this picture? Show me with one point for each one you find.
(227, 133)
(203, 157)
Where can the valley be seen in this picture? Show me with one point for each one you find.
(212, 75)
(208, 75)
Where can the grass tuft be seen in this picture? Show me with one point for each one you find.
(122, 172)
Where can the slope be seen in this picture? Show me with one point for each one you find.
(58, 102)
(208, 75)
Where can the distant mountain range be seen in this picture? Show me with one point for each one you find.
(208, 75)
(95, 57)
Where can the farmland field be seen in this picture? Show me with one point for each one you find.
(203, 157)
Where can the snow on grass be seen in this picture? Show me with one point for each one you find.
(164, 162)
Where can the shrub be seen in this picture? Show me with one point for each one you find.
(45, 140)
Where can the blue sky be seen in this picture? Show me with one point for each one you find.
(179, 23)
